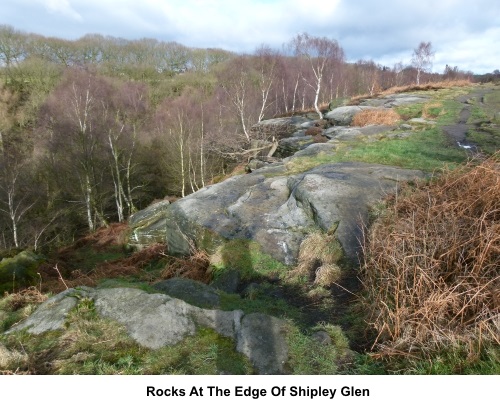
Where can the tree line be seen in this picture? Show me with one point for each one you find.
(92, 130)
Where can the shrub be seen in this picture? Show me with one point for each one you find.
(432, 263)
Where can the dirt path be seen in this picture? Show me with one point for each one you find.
(458, 132)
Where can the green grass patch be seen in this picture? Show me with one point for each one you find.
(427, 150)
(486, 138)
(261, 298)
(410, 111)
(307, 356)
(453, 360)
(248, 258)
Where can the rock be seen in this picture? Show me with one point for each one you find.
(19, 271)
(191, 291)
(347, 134)
(344, 115)
(404, 99)
(52, 314)
(422, 121)
(316, 148)
(343, 133)
(399, 135)
(148, 214)
(255, 164)
(158, 320)
(278, 211)
(278, 128)
(322, 337)
(262, 339)
(227, 281)
(394, 100)
(288, 146)
(406, 127)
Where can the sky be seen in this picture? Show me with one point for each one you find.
(463, 33)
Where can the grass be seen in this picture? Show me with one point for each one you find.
(319, 255)
(485, 131)
(307, 356)
(247, 257)
(426, 150)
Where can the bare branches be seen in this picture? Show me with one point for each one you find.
(422, 58)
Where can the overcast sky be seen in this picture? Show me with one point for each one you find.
(464, 33)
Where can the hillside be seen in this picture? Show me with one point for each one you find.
(278, 267)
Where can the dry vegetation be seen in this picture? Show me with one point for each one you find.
(149, 265)
(318, 257)
(432, 265)
(376, 117)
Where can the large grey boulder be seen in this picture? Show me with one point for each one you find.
(344, 115)
(278, 211)
(262, 339)
(145, 219)
(158, 320)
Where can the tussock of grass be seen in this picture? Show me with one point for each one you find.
(432, 264)
(375, 117)
(318, 257)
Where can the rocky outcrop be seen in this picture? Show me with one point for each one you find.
(393, 100)
(158, 320)
(344, 115)
(277, 208)
(279, 128)
(278, 211)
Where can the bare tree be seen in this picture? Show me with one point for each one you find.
(320, 53)
(422, 58)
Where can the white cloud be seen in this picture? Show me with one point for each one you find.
(63, 7)
(384, 30)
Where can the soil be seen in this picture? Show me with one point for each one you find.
(457, 133)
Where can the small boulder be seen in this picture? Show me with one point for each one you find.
(344, 115)
(227, 281)
(262, 339)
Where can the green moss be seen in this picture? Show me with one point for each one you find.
(20, 271)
